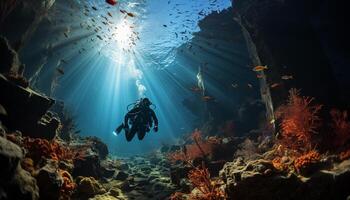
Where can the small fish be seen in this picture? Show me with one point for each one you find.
(250, 85)
(123, 11)
(272, 121)
(110, 14)
(287, 77)
(99, 37)
(94, 8)
(208, 98)
(65, 34)
(165, 25)
(234, 85)
(259, 68)
(130, 14)
(274, 85)
(259, 76)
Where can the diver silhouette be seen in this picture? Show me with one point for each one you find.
(141, 118)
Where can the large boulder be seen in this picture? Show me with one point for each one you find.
(257, 179)
(88, 187)
(9, 61)
(15, 183)
(98, 146)
(88, 165)
(49, 181)
(25, 108)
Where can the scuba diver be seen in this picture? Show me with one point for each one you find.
(141, 117)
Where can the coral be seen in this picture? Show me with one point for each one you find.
(341, 127)
(41, 148)
(281, 164)
(306, 160)
(68, 185)
(199, 149)
(299, 121)
(209, 189)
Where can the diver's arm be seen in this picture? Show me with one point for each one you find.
(132, 112)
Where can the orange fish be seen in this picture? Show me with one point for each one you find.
(274, 85)
(208, 98)
(259, 68)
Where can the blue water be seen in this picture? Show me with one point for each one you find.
(100, 81)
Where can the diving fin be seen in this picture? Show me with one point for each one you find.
(119, 129)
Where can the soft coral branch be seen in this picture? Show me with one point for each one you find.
(299, 121)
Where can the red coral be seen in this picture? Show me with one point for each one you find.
(209, 190)
(299, 121)
(341, 127)
(306, 160)
(200, 148)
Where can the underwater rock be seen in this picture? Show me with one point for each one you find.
(104, 197)
(15, 183)
(24, 107)
(240, 176)
(9, 61)
(98, 146)
(88, 165)
(120, 175)
(178, 172)
(49, 181)
(88, 187)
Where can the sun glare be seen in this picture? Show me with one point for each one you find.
(124, 35)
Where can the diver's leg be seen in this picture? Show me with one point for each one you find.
(141, 134)
(130, 134)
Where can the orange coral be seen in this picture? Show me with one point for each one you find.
(279, 165)
(68, 185)
(341, 127)
(42, 148)
(200, 148)
(306, 160)
(209, 190)
(299, 121)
